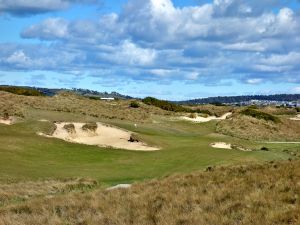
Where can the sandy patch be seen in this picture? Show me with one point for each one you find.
(223, 145)
(119, 186)
(296, 118)
(200, 119)
(8, 121)
(103, 136)
(43, 120)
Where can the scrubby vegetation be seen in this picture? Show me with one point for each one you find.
(90, 127)
(134, 138)
(134, 104)
(259, 115)
(70, 128)
(247, 195)
(21, 91)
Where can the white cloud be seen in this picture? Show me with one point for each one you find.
(128, 53)
(18, 57)
(49, 29)
(254, 81)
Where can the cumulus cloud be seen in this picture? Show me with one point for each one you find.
(50, 29)
(211, 43)
(31, 7)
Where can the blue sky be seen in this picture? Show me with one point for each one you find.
(167, 49)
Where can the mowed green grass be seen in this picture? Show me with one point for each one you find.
(185, 148)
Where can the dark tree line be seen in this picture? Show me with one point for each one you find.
(237, 99)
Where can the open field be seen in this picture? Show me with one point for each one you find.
(185, 147)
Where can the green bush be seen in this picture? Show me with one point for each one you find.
(165, 105)
(134, 104)
(260, 115)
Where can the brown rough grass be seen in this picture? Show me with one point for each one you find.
(250, 195)
(67, 102)
(246, 127)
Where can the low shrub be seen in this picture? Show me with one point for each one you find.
(134, 104)
(264, 149)
(165, 105)
(260, 115)
(134, 138)
(193, 116)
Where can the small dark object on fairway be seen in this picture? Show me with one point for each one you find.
(264, 149)
(134, 138)
(209, 169)
(70, 128)
(90, 127)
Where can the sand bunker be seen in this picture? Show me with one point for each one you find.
(223, 145)
(8, 121)
(200, 119)
(101, 135)
(296, 118)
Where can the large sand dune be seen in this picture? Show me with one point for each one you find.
(200, 119)
(103, 136)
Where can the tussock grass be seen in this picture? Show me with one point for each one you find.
(90, 127)
(70, 128)
(252, 194)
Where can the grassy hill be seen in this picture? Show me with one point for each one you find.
(258, 125)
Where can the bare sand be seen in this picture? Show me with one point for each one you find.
(200, 119)
(119, 186)
(221, 145)
(104, 136)
(296, 117)
(9, 121)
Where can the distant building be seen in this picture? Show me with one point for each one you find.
(108, 99)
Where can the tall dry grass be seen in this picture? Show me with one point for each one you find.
(250, 195)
